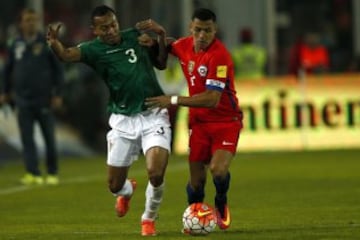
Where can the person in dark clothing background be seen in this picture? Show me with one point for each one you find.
(32, 80)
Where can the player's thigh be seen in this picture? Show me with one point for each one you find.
(225, 136)
(220, 162)
(199, 144)
(225, 139)
(156, 131)
(122, 152)
(156, 161)
(156, 144)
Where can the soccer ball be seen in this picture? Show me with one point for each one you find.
(199, 219)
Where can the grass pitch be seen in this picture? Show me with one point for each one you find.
(297, 195)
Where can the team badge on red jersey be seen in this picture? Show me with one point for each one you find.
(191, 66)
(202, 70)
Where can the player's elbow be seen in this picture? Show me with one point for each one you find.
(70, 55)
(161, 66)
(210, 103)
(61, 58)
(213, 104)
(212, 99)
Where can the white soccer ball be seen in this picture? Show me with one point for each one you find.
(199, 219)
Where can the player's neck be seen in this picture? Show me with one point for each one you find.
(199, 50)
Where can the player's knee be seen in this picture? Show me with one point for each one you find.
(198, 185)
(156, 176)
(218, 171)
(156, 180)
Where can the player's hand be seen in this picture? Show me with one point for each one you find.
(150, 25)
(53, 33)
(158, 102)
(145, 40)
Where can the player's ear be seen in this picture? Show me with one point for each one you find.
(93, 29)
(190, 27)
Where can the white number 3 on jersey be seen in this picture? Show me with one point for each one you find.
(132, 55)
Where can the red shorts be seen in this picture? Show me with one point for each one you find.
(206, 138)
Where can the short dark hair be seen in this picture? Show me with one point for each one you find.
(101, 10)
(204, 14)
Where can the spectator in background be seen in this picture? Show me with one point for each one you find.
(32, 80)
(249, 58)
(313, 56)
(342, 55)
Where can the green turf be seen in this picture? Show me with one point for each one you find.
(298, 195)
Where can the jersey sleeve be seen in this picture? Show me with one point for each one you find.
(219, 71)
(85, 51)
(175, 47)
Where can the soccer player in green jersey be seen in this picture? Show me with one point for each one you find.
(127, 69)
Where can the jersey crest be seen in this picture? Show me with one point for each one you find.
(202, 70)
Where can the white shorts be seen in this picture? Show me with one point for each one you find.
(131, 134)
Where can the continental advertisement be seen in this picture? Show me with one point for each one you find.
(319, 112)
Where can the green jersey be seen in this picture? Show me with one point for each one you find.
(126, 69)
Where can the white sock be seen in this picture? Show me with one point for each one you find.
(153, 199)
(126, 190)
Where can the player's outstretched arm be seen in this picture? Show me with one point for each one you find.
(71, 54)
(205, 99)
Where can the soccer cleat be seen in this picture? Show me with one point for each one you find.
(148, 228)
(52, 180)
(30, 179)
(223, 221)
(123, 202)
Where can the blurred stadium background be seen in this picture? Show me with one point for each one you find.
(330, 120)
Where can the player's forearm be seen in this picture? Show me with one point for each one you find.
(63, 53)
(207, 99)
(58, 48)
(163, 55)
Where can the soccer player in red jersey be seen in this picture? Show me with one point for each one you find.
(215, 118)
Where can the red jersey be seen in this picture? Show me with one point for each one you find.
(210, 69)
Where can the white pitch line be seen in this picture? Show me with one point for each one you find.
(83, 179)
(23, 188)
(11, 190)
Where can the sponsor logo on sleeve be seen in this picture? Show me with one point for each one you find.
(221, 71)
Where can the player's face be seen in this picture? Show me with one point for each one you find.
(203, 33)
(29, 23)
(107, 28)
